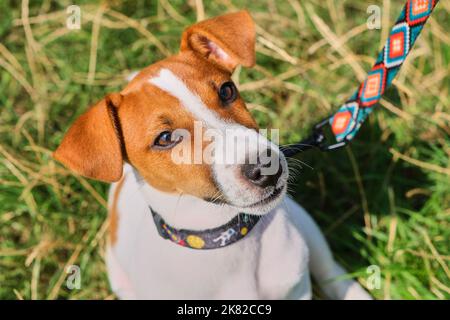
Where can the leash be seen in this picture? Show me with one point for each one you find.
(346, 122)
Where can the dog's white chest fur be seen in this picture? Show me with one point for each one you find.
(271, 262)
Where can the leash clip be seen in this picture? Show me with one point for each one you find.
(320, 139)
(316, 140)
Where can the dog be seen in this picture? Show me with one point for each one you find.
(198, 230)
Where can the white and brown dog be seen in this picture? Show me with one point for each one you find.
(198, 230)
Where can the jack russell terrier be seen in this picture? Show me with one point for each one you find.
(181, 230)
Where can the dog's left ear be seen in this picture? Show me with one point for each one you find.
(227, 40)
(93, 146)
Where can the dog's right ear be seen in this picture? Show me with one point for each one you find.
(93, 146)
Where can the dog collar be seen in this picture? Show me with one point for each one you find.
(214, 238)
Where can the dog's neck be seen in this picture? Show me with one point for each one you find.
(184, 211)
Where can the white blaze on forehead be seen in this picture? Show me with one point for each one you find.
(173, 85)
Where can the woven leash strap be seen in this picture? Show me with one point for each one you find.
(346, 122)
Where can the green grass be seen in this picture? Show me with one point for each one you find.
(382, 201)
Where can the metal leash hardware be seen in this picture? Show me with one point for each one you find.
(317, 139)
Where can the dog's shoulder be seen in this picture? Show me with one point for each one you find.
(285, 256)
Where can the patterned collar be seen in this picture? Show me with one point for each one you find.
(222, 236)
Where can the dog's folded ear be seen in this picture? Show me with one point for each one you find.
(93, 145)
(227, 40)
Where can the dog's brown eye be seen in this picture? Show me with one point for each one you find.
(227, 92)
(166, 140)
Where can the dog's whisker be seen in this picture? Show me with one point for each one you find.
(295, 145)
(295, 165)
(294, 174)
(216, 196)
(295, 168)
(294, 160)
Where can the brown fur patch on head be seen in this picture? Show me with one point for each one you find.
(103, 137)
(147, 111)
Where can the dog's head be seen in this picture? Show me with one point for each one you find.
(155, 120)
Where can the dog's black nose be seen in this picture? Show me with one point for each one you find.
(262, 175)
